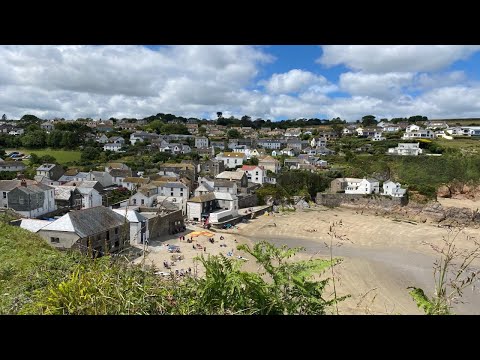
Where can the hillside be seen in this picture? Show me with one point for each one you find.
(37, 279)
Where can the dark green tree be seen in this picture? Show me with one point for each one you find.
(233, 134)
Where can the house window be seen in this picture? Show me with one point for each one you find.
(143, 202)
(256, 172)
(21, 200)
(171, 189)
(171, 194)
(4, 194)
(108, 235)
(116, 231)
(117, 243)
(55, 240)
(134, 201)
(181, 194)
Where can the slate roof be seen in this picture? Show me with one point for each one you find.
(203, 198)
(87, 222)
(227, 175)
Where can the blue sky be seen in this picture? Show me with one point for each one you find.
(271, 82)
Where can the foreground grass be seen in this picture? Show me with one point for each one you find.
(37, 279)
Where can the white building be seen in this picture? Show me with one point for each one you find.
(406, 149)
(138, 225)
(362, 186)
(321, 142)
(419, 134)
(201, 142)
(231, 159)
(115, 147)
(255, 174)
(412, 127)
(29, 199)
(145, 196)
(393, 189)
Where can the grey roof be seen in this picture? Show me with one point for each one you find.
(223, 183)
(33, 225)
(203, 198)
(204, 187)
(371, 180)
(34, 188)
(113, 144)
(63, 192)
(130, 215)
(87, 222)
(177, 184)
(46, 167)
(8, 185)
(227, 175)
(120, 173)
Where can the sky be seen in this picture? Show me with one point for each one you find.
(271, 82)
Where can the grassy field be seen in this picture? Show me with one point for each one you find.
(466, 145)
(62, 156)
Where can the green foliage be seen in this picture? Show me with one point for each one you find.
(233, 134)
(37, 279)
(90, 153)
(252, 161)
(8, 175)
(294, 181)
(281, 287)
(423, 302)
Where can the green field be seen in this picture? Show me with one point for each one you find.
(62, 156)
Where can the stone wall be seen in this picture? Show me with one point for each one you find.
(248, 200)
(164, 224)
(334, 200)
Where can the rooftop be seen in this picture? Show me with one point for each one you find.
(87, 222)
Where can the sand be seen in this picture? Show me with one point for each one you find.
(380, 257)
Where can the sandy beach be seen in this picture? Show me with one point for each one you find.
(381, 257)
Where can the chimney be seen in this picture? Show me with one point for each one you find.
(23, 183)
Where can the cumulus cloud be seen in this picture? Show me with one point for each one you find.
(382, 86)
(296, 80)
(395, 58)
(135, 81)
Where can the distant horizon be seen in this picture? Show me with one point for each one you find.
(276, 82)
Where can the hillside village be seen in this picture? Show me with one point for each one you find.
(210, 174)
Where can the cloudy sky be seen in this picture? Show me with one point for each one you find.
(271, 82)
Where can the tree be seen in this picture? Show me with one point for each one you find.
(219, 114)
(337, 129)
(4, 117)
(233, 134)
(30, 118)
(90, 153)
(369, 120)
(202, 130)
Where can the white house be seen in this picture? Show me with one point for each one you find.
(90, 197)
(378, 137)
(112, 147)
(412, 127)
(419, 134)
(321, 142)
(406, 149)
(29, 199)
(145, 196)
(255, 174)
(232, 159)
(201, 142)
(138, 225)
(393, 189)
(362, 186)
(288, 152)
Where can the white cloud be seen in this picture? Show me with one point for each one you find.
(395, 58)
(296, 80)
(104, 81)
(382, 86)
(134, 81)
